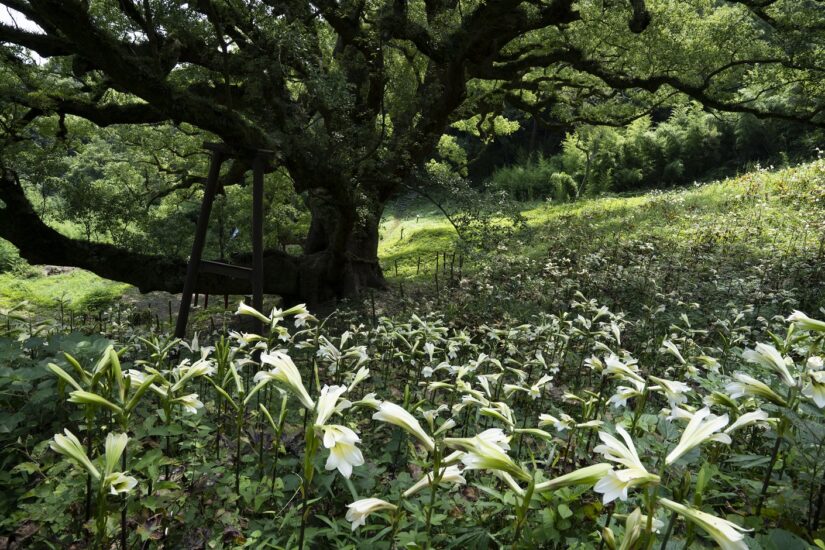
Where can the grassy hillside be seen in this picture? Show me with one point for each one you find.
(753, 239)
(773, 208)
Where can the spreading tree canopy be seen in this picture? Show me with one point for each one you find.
(354, 96)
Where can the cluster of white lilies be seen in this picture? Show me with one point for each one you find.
(465, 381)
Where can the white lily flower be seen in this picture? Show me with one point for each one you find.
(475, 400)
(500, 411)
(190, 403)
(360, 509)
(758, 416)
(670, 347)
(69, 445)
(485, 384)
(244, 309)
(511, 483)
(616, 451)
(483, 454)
(327, 403)
(536, 389)
(583, 476)
(727, 535)
(119, 482)
(510, 389)
(137, 377)
(634, 526)
(702, 427)
(815, 388)
(431, 414)
(674, 391)
(617, 483)
(770, 358)
(709, 363)
(302, 319)
(559, 424)
(719, 399)
(446, 426)
(497, 437)
(623, 393)
(590, 424)
(115, 445)
(450, 474)
(572, 397)
(343, 454)
(594, 363)
(362, 374)
(246, 337)
(429, 349)
(300, 309)
(368, 400)
(748, 385)
(806, 323)
(623, 371)
(678, 413)
(439, 386)
(287, 374)
(398, 416)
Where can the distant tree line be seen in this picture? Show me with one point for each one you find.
(689, 145)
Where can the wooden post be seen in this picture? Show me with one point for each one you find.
(218, 152)
(258, 166)
(437, 257)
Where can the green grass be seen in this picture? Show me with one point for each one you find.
(758, 212)
(78, 289)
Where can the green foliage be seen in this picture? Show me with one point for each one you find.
(692, 144)
(536, 180)
(754, 239)
(9, 260)
(80, 291)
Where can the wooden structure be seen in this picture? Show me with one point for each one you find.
(255, 274)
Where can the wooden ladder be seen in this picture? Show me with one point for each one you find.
(255, 274)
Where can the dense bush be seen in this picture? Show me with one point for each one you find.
(691, 144)
(8, 257)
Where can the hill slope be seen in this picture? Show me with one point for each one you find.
(757, 238)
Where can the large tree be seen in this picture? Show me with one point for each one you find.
(353, 96)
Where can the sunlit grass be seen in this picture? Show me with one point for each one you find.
(755, 210)
(79, 290)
